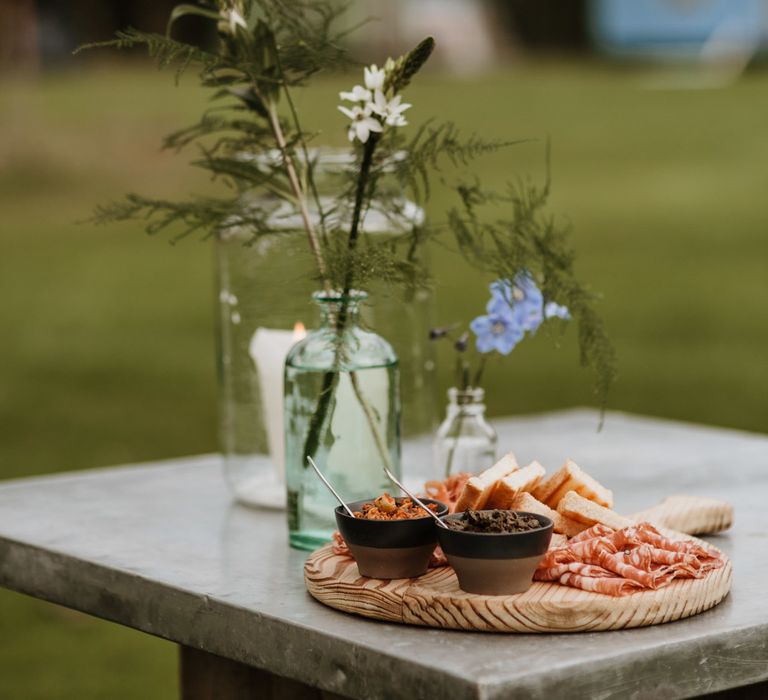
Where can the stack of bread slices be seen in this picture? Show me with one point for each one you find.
(574, 501)
(571, 498)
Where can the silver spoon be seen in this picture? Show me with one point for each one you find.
(394, 480)
(330, 488)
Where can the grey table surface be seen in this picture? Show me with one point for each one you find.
(162, 548)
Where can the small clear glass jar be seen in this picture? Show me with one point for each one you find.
(342, 407)
(465, 441)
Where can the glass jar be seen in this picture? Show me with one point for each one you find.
(465, 441)
(264, 288)
(342, 407)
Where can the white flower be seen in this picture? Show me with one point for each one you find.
(374, 77)
(391, 111)
(358, 94)
(231, 19)
(362, 122)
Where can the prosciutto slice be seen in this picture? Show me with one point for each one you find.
(339, 545)
(620, 562)
(641, 557)
(628, 537)
(591, 548)
(609, 586)
(554, 573)
(648, 534)
(438, 558)
(557, 556)
(448, 491)
(598, 530)
(579, 551)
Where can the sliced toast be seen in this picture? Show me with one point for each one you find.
(525, 502)
(568, 526)
(572, 478)
(562, 524)
(476, 491)
(518, 481)
(581, 509)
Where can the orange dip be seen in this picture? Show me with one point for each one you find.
(388, 508)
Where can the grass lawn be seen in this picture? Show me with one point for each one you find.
(107, 352)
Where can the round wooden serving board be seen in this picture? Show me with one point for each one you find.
(435, 600)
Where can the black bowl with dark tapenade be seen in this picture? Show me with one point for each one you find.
(390, 548)
(495, 552)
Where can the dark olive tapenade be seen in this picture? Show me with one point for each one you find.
(499, 521)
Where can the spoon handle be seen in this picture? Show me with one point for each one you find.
(328, 485)
(416, 500)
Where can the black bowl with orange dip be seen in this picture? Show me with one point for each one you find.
(395, 547)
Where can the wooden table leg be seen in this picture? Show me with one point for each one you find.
(758, 691)
(205, 676)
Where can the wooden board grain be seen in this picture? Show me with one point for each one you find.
(435, 600)
(693, 515)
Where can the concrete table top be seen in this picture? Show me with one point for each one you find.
(162, 548)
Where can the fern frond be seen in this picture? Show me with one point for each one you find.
(206, 215)
(164, 50)
(433, 147)
(250, 133)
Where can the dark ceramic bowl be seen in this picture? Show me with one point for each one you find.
(390, 548)
(492, 563)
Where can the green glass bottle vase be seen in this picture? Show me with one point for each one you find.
(342, 407)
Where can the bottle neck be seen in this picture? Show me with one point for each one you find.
(338, 311)
(467, 402)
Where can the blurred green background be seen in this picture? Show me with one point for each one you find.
(107, 352)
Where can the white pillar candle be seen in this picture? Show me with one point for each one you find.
(268, 349)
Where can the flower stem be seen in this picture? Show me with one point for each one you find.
(455, 444)
(301, 198)
(362, 185)
(480, 370)
(377, 438)
(312, 443)
(304, 150)
(331, 377)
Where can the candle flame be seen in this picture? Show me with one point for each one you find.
(299, 331)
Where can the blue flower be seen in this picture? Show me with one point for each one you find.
(552, 310)
(497, 331)
(515, 307)
(523, 297)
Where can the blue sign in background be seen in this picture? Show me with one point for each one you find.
(646, 25)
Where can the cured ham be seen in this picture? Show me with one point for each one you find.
(557, 556)
(670, 558)
(619, 565)
(591, 548)
(438, 558)
(641, 557)
(554, 573)
(448, 491)
(339, 545)
(645, 533)
(608, 586)
(598, 530)
(619, 562)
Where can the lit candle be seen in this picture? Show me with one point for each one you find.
(268, 349)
